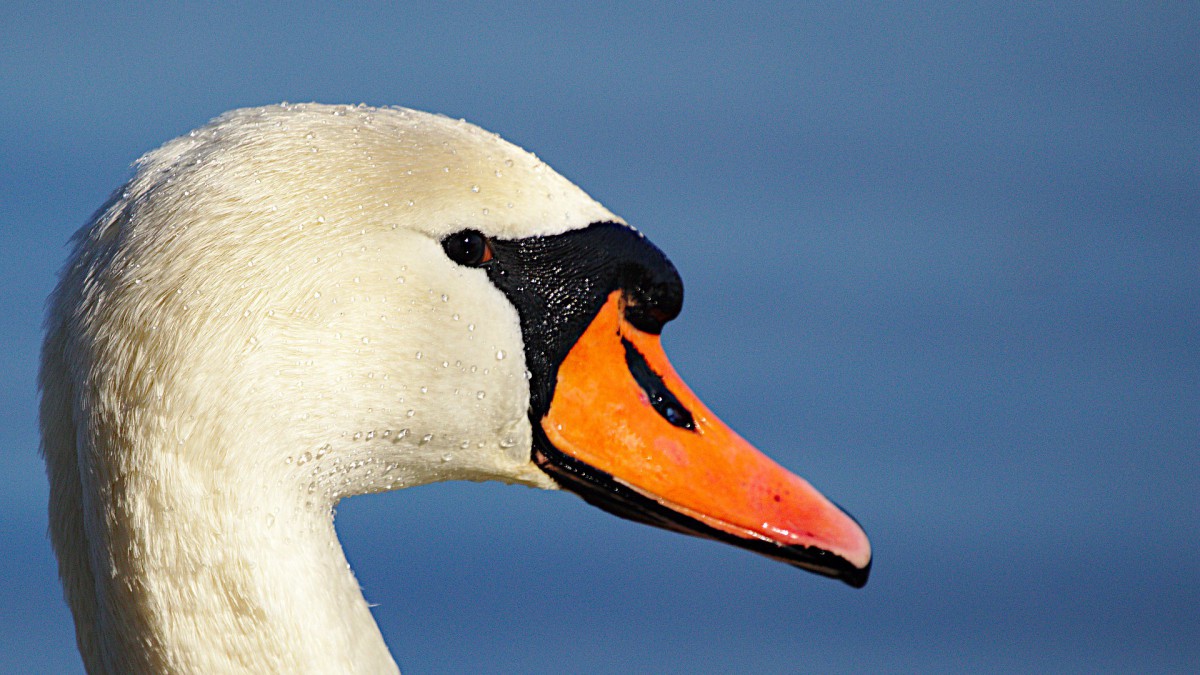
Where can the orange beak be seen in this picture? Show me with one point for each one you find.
(625, 432)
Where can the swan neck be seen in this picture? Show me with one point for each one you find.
(226, 573)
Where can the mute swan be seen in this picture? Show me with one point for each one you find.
(299, 303)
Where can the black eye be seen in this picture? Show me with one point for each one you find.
(468, 248)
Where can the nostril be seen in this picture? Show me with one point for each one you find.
(661, 398)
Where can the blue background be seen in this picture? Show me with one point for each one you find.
(944, 261)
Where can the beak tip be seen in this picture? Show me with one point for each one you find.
(857, 577)
(829, 564)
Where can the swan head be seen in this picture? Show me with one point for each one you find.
(319, 301)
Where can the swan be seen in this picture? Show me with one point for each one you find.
(299, 303)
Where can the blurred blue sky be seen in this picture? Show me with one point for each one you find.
(942, 260)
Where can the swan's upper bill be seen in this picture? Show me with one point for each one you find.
(299, 303)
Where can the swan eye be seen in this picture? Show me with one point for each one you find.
(468, 247)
